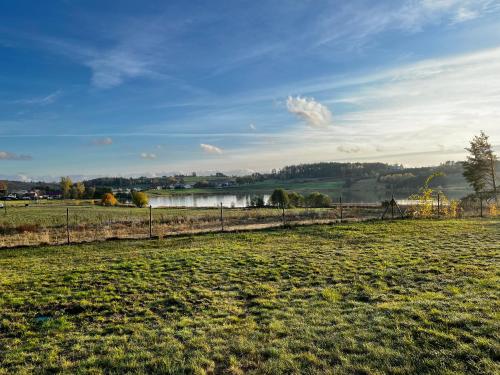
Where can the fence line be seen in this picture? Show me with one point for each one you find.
(137, 226)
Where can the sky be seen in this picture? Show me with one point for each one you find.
(92, 88)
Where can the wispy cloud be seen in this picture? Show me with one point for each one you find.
(138, 48)
(5, 155)
(42, 100)
(358, 21)
(312, 112)
(106, 141)
(148, 156)
(210, 149)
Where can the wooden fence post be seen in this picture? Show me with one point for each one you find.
(67, 224)
(221, 217)
(439, 206)
(150, 221)
(283, 214)
(341, 210)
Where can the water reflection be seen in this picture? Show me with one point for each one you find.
(199, 200)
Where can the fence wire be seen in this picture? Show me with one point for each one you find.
(34, 224)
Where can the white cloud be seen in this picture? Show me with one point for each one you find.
(210, 149)
(5, 155)
(148, 156)
(102, 141)
(312, 112)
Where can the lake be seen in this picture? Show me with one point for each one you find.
(203, 200)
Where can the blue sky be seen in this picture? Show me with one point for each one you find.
(93, 88)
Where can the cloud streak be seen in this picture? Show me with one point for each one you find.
(43, 100)
(106, 141)
(5, 155)
(148, 156)
(210, 149)
(357, 22)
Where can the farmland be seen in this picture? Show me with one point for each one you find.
(377, 297)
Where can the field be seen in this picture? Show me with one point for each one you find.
(45, 223)
(374, 297)
(303, 186)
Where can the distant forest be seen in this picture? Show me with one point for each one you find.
(395, 176)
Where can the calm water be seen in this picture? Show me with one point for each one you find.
(199, 200)
(243, 200)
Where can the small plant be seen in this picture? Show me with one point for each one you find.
(492, 209)
(425, 199)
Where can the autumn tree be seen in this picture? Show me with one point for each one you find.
(479, 169)
(109, 199)
(66, 184)
(3, 187)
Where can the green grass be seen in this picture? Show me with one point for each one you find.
(303, 186)
(368, 298)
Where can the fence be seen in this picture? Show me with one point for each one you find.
(59, 224)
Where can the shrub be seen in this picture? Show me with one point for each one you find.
(296, 200)
(492, 209)
(109, 199)
(318, 200)
(140, 199)
(257, 201)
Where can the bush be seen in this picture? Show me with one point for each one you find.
(109, 199)
(296, 200)
(140, 199)
(318, 200)
(257, 201)
(279, 198)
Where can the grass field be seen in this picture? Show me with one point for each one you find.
(380, 297)
(303, 186)
(46, 223)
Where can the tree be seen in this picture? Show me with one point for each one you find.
(140, 199)
(479, 169)
(80, 190)
(3, 187)
(109, 199)
(279, 198)
(66, 185)
(90, 192)
(318, 200)
(296, 199)
(74, 192)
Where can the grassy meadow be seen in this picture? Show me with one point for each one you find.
(368, 298)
